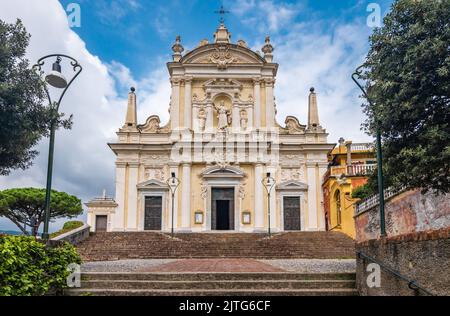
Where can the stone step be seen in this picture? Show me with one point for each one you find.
(148, 245)
(225, 285)
(213, 292)
(214, 276)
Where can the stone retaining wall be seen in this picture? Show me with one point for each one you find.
(420, 256)
(407, 212)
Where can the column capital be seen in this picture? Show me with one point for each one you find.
(257, 80)
(188, 79)
(270, 82)
(175, 81)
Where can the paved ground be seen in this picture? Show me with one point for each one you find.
(314, 265)
(214, 265)
(223, 265)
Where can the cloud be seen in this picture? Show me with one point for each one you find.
(110, 12)
(266, 15)
(310, 53)
(84, 164)
(309, 57)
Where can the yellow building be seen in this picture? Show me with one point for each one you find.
(348, 169)
(221, 141)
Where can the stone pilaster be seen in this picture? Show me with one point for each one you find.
(257, 104)
(175, 105)
(312, 224)
(118, 222)
(259, 198)
(188, 103)
(270, 106)
(186, 197)
(132, 198)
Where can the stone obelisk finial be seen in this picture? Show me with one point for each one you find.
(131, 118)
(313, 111)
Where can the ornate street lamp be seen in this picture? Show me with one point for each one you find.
(268, 182)
(355, 76)
(173, 183)
(57, 80)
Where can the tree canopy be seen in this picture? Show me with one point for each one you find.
(24, 116)
(26, 206)
(407, 72)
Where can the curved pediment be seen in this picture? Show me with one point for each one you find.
(293, 126)
(223, 171)
(152, 125)
(222, 55)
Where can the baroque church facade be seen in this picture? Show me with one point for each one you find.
(224, 147)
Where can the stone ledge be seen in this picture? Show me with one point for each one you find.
(416, 236)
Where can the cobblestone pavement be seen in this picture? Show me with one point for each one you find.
(131, 265)
(223, 265)
(214, 265)
(314, 265)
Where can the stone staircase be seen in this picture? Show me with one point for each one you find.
(152, 245)
(215, 284)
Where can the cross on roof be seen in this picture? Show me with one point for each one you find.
(222, 13)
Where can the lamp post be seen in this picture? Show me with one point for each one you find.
(355, 76)
(268, 182)
(173, 183)
(57, 80)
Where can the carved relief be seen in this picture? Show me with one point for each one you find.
(244, 119)
(293, 126)
(204, 190)
(222, 57)
(155, 174)
(152, 125)
(242, 190)
(201, 119)
(291, 174)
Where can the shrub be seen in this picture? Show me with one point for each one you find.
(362, 192)
(30, 268)
(67, 227)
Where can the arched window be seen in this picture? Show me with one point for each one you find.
(337, 199)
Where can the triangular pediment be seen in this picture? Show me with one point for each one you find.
(292, 185)
(153, 184)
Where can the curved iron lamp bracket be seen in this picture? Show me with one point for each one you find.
(76, 68)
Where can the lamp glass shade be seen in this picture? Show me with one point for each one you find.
(56, 79)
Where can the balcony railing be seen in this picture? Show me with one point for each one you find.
(362, 147)
(353, 170)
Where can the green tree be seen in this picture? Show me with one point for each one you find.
(27, 206)
(408, 81)
(24, 120)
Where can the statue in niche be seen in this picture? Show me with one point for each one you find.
(223, 116)
(201, 119)
(244, 119)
